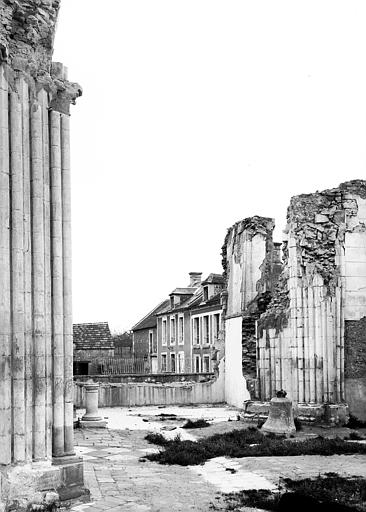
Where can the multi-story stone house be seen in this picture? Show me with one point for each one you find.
(205, 324)
(187, 328)
(144, 337)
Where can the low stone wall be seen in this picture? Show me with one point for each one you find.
(124, 378)
(127, 394)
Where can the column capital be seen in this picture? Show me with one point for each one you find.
(64, 93)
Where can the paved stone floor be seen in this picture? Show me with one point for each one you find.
(120, 481)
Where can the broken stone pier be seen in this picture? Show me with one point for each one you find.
(36, 382)
(300, 324)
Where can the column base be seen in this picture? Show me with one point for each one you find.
(313, 413)
(93, 423)
(42, 483)
(69, 458)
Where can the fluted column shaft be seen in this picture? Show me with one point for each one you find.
(57, 284)
(5, 331)
(36, 346)
(67, 283)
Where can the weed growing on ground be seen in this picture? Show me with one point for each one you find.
(200, 423)
(246, 443)
(156, 438)
(353, 422)
(327, 493)
(355, 436)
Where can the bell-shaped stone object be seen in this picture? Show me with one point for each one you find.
(281, 417)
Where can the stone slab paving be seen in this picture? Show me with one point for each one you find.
(267, 472)
(120, 481)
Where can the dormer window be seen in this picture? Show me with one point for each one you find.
(172, 302)
(205, 293)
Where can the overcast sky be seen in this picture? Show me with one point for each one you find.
(196, 114)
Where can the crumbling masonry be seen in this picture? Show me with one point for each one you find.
(310, 329)
(251, 264)
(36, 388)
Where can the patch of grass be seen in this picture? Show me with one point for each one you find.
(200, 423)
(353, 422)
(262, 499)
(156, 438)
(355, 436)
(164, 416)
(328, 493)
(248, 443)
(332, 488)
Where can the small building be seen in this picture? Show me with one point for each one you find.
(92, 343)
(144, 337)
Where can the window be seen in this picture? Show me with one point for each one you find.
(172, 363)
(163, 363)
(180, 362)
(151, 342)
(196, 330)
(205, 293)
(197, 363)
(163, 332)
(181, 330)
(206, 364)
(206, 329)
(172, 330)
(216, 326)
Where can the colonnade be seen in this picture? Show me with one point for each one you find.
(306, 356)
(36, 389)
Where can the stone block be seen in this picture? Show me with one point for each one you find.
(320, 218)
(93, 423)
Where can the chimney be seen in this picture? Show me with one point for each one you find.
(195, 278)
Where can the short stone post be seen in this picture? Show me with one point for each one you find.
(91, 417)
(281, 417)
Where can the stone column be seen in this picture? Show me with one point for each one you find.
(37, 191)
(5, 326)
(57, 284)
(17, 274)
(67, 284)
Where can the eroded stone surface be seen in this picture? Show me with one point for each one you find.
(119, 481)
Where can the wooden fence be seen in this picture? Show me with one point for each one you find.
(112, 365)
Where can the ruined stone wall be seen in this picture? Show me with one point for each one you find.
(246, 261)
(322, 285)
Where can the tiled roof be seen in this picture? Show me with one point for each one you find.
(189, 290)
(215, 300)
(214, 279)
(149, 321)
(185, 304)
(93, 336)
